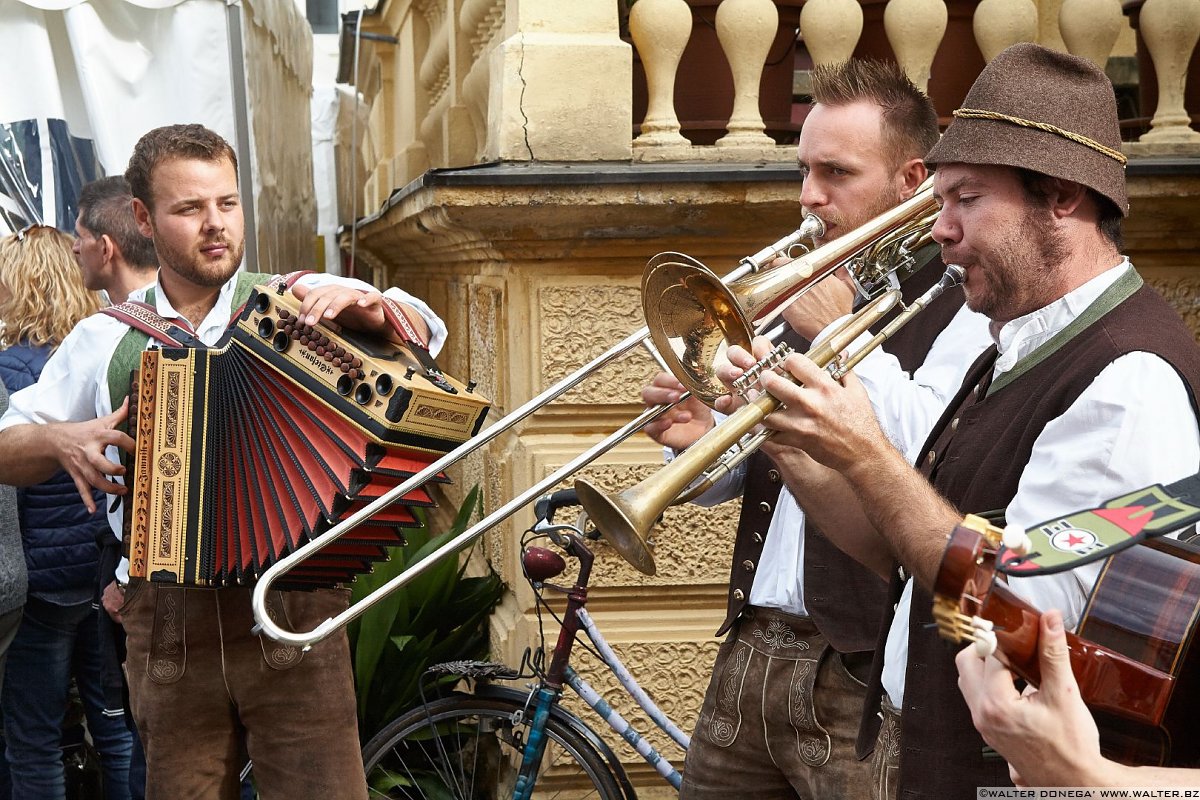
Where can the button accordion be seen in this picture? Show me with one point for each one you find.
(246, 451)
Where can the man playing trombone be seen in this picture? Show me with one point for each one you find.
(803, 616)
(1090, 390)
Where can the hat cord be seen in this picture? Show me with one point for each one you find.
(974, 113)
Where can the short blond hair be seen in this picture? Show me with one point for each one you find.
(43, 293)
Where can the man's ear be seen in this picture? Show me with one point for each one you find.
(108, 248)
(1066, 196)
(141, 215)
(910, 176)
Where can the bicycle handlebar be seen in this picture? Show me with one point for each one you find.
(548, 504)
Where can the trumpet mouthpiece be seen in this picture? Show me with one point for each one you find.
(812, 227)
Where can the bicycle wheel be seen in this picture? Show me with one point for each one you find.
(468, 748)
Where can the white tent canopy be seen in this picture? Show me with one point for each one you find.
(82, 80)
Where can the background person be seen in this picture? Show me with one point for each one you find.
(42, 297)
(114, 255)
(115, 259)
(13, 583)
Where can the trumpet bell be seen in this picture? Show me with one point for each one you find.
(692, 319)
(620, 523)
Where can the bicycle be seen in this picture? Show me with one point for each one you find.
(501, 742)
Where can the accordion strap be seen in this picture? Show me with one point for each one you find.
(145, 318)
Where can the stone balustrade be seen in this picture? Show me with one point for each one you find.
(536, 80)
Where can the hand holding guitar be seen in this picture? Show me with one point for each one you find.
(1047, 734)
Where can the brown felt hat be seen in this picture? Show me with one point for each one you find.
(1043, 110)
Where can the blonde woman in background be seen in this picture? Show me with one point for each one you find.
(42, 297)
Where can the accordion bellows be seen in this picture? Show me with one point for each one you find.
(249, 450)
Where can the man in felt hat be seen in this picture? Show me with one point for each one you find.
(1088, 392)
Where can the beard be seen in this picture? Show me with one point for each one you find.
(193, 267)
(1022, 275)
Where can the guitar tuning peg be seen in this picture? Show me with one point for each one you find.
(985, 642)
(1017, 540)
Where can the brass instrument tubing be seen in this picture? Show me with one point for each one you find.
(953, 276)
(810, 227)
(263, 622)
(258, 601)
(624, 518)
(823, 355)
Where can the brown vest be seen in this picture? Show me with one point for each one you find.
(845, 599)
(975, 457)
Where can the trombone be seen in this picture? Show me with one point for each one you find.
(811, 226)
(625, 518)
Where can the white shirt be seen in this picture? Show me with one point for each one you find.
(907, 407)
(74, 383)
(1132, 427)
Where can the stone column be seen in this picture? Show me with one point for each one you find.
(831, 29)
(746, 29)
(915, 29)
(1001, 23)
(1170, 29)
(660, 30)
(1090, 28)
(560, 84)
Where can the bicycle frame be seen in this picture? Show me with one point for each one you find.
(549, 691)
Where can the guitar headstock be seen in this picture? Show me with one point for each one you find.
(963, 581)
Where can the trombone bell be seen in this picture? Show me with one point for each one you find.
(693, 316)
(620, 524)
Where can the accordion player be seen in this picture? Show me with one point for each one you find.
(246, 451)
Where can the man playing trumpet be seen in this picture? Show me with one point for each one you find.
(802, 616)
(1089, 391)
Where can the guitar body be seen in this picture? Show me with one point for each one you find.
(1132, 654)
(1145, 606)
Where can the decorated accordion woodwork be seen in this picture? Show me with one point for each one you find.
(249, 450)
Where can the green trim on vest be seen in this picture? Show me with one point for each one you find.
(128, 354)
(1121, 290)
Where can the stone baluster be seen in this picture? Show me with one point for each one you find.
(1170, 29)
(831, 29)
(746, 29)
(915, 29)
(1090, 28)
(1001, 23)
(660, 31)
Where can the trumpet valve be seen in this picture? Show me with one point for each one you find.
(771, 361)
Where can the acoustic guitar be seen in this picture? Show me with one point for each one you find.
(1132, 653)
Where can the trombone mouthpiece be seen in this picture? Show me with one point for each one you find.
(954, 275)
(811, 227)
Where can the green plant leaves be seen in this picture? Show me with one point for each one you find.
(440, 615)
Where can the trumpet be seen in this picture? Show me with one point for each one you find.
(625, 518)
(693, 315)
(811, 226)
